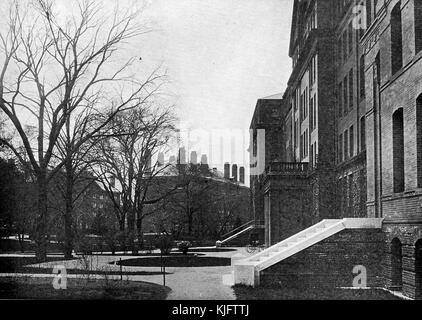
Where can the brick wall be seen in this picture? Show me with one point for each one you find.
(290, 206)
(408, 235)
(330, 263)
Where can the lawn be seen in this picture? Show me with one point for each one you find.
(15, 264)
(19, 265)
(249, 293)
(77, 289)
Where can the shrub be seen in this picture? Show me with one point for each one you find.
(184, 246)
(164, 243)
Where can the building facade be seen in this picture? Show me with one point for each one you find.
(393, 72)
(351, 127)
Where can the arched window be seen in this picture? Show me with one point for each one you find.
(419, 139)
(398, 151)
(396, 264)
(363, 133)
(418, 25)
(396, 39)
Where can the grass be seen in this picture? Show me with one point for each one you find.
(178, 261)
(19, 265)
(80, 289)
(15, 264)
(35, 270)
(265, 293)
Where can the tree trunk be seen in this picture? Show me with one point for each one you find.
(21, 238)
(121, 238)
(42, 219)
(140, 234)
(131, 231)
(68, 218)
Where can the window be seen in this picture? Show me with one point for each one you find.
(311, 70)
(350, 31)
(350, 193)
(345, 49)
(396, 39)
(340, 99)
(351, 89)
(311, 114)
(368, 13)
(305, 143)
(396, 264)
(312, 156)
(419, 139)
(345, 95)
(306, 104)
(346, 145)
(376, 80)
(352, 141)
(301, 146)
(418, 25)
(340, 148)
(362, 77)
(398, 151)
(315, 112)
(363, 133)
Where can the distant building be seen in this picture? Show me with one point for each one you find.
(181, 159)
(160, 159)
(227, 170)
(193, 157)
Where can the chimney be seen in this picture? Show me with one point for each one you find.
(204, 159)
(242, 175)
(193, 157)
(227, 170)
(234, 172)
(182, 156)
(204, 164)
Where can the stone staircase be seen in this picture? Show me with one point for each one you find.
(247, 271)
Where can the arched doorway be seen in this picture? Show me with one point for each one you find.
(396, 265)
(418, 269)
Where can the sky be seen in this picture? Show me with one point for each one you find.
(220, 56)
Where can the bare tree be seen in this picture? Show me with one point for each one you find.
(52, 70)
(126, 158)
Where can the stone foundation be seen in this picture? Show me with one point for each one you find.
(330, 262)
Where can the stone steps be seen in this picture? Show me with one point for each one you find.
(246, 271)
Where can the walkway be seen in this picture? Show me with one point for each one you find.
(194, 283)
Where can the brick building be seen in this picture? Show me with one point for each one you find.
(393, 88)
(350, 122)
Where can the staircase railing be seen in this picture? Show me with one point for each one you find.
(238, 229)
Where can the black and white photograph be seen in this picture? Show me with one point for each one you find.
(210, 150)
